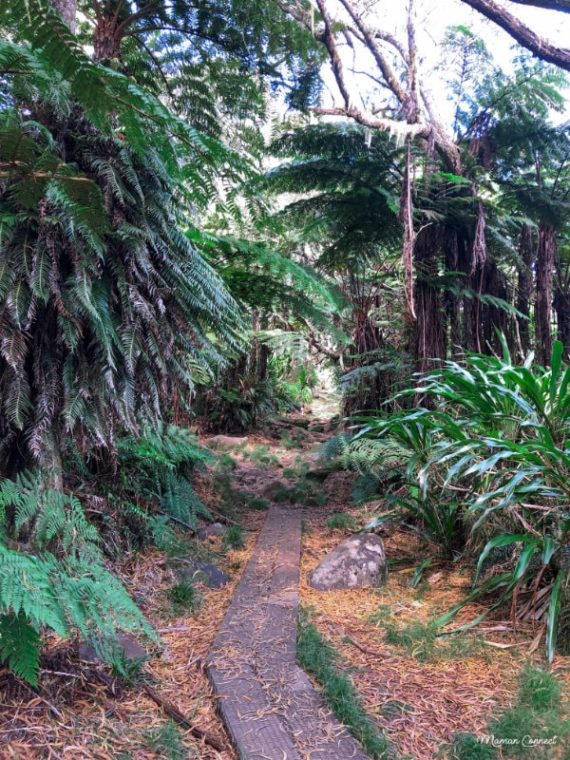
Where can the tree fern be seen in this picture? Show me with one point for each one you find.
(158, 465)
(19, 646)
(96, 278)
(63, 584)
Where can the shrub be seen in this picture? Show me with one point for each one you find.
(497, 434)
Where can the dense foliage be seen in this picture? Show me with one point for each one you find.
(180, 237)
(486, 467)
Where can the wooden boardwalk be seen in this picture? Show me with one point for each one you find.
(269, 706)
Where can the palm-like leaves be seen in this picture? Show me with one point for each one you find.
(105, 306)
(499, 434)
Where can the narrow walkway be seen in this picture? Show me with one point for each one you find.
(269, 706)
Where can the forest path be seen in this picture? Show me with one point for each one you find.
(270, 708)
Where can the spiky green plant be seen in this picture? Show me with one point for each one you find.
(498, 442)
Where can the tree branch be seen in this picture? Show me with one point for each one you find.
(368, 120)
(300, 14)
(371, 36)
(329, 42)
(523, 34)
(549, 5)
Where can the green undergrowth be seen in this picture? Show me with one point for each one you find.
(251, 501)
(288, 441)
(423, 642)
(537, 726)
(262, 456)
(234, 538)
(342, 521)
(183, 597)
(301, 493)
(166, 742)
(318, 658)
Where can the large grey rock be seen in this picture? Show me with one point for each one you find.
(125, 646)
(228, 441)
(203, 572)
(215, 529)
(357, 562)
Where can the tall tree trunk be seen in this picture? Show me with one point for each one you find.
(67, 9)
(545, 257)
(107, 39)
(430, 323)
(493, 318)
(526, 251)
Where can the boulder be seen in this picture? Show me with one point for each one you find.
(202, 572)
(206, 573)
(125, 645)
(228, 441)
(215, 529)
(357, 562)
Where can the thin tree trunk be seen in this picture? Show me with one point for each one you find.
(545, 257)
(430, 326)
(525, 285)
(493, 318)
(562, 309)
(451, 300)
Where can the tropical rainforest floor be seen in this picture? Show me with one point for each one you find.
(420, 691)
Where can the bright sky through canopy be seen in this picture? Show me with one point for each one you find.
(433, 19)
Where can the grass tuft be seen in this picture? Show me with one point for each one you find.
(536, 715)
(417, 639)
(341, 521)
(539, 689)
(183, 596)
(166, 742)
(468, 747)
(233, 538)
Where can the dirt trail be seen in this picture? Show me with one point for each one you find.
(270, 708)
